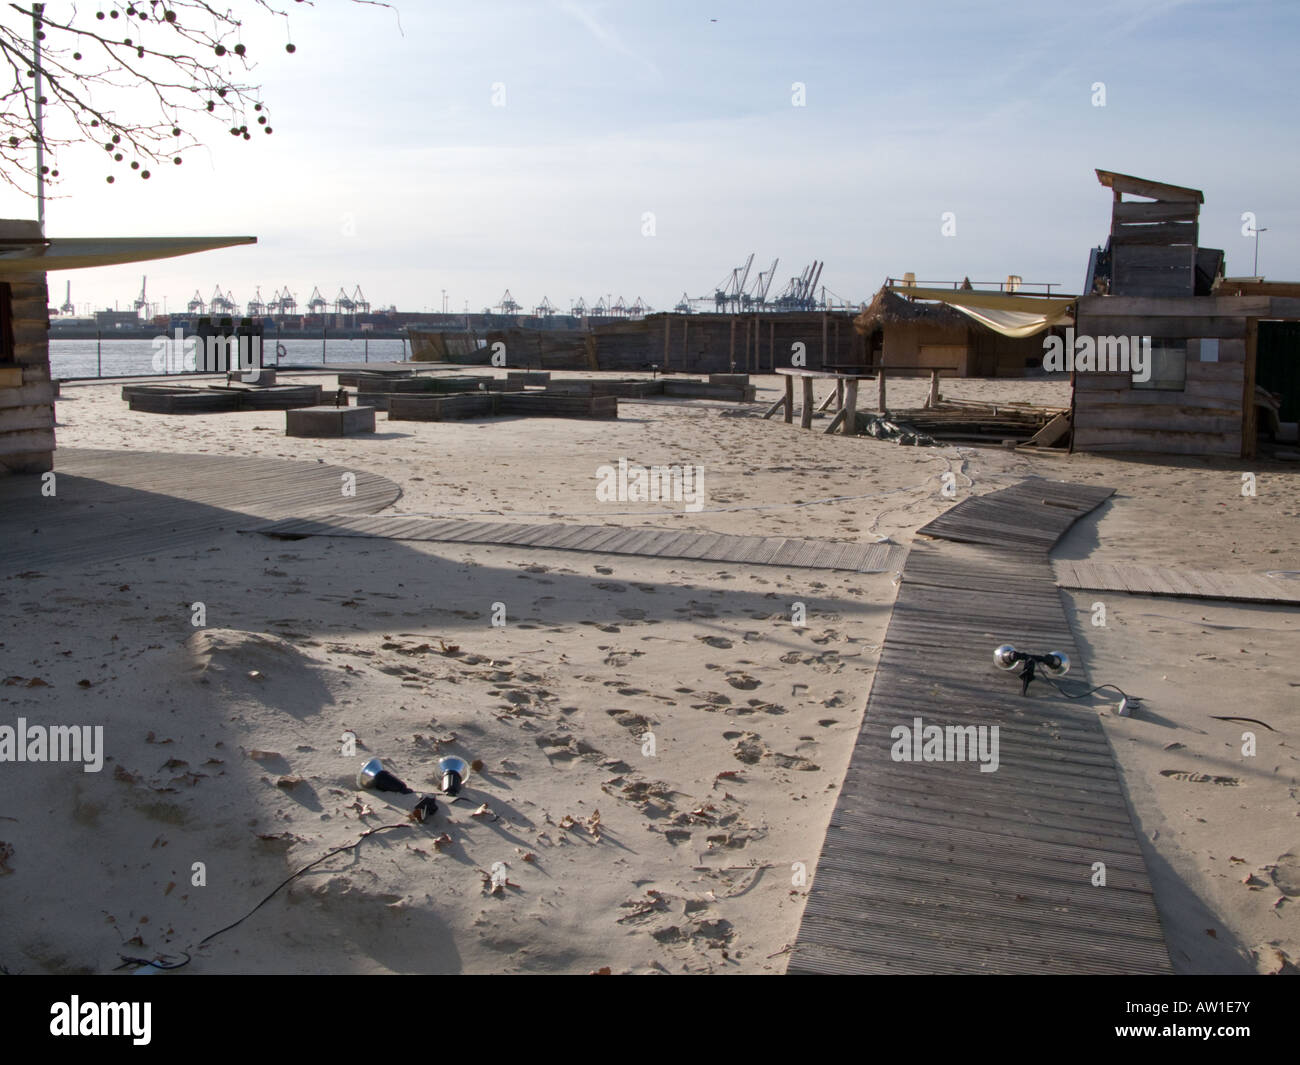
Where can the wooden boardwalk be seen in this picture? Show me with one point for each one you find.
(111, 505)
(937, 867)
(1186, 583)
(607, 540)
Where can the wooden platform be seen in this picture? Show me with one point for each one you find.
(1186, 583)
(937, 867)
(1031, 514)
(608, 540)
(111, 505)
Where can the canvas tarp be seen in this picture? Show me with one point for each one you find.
(1007, 313)
(27, 256)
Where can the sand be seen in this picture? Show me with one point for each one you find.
(661, 747)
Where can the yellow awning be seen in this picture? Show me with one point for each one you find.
(1007, 313)
(74, 253)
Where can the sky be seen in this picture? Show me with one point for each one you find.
(570, 148)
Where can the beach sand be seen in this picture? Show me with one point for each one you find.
(661, 746)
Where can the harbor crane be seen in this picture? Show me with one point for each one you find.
(317, 304)
(256, 308)
(508, 304)
(731, 292)
(343, 303)
(221, 303)
(141, 303)
(757, 297)
(196, 304)
(360, 305)
(544, 309)
(67, 307)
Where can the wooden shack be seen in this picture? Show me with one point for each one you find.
(902, 333)
(1153, 283)
(26, 392)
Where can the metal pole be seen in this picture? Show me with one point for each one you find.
(367, 349)
(37, 11)
(322, 346)
(99, 353)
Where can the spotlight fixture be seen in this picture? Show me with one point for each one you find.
(454, 772)
(1055, 663)
(374, 775)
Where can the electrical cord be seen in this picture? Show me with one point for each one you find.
(1084, 695)
(155, 963)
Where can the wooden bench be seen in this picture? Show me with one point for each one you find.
(556, 405)
(329, 421)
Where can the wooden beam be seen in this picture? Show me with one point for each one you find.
(771, 344)
(881, 404)
(825, 339)
(835, 422)
(789, 400)
(1249, 419)
(830, 397)
(733, 344)
(777, 406)
(849, 411)
(932, 400)
(668, 330)
(806, 412)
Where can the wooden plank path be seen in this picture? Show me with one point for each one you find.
(937, 867)
(606, 540)
(1185, 583)
(111, 505)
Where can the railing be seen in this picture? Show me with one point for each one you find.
(1018, 287)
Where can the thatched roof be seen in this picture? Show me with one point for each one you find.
(889, 308)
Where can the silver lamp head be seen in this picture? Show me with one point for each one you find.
(1058, 664)
(367, 773)
(1005, 657)
(373, 775)
(455, 771)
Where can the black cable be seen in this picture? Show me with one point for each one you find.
(1084, 695)
(139, 962)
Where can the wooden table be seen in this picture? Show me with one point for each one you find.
(845, 397)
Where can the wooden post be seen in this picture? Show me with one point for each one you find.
(789, 399)
(745, 357)
(850, 409)
(686, 331)
(839, 394)
(881, 378)
(933, 400)
(668, 330)
(837, 340)
(771, 344)
(825, 338)
(806, 413)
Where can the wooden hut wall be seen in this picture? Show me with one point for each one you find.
(1211, 414)
(709, 343)
(26, 393)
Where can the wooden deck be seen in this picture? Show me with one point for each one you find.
(937, 867)
(111, 505)
(607, 540)
(1185, 583)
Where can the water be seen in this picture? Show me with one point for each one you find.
(134, 358)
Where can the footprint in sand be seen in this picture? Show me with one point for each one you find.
(720, 642)
(743, 681)
(1200, 778)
